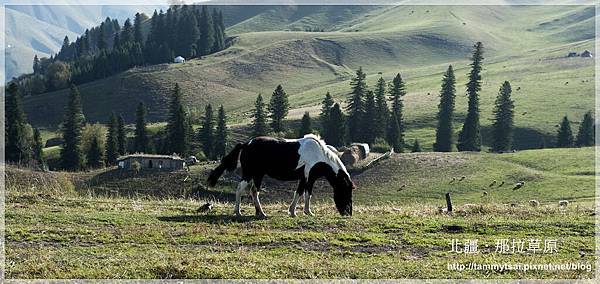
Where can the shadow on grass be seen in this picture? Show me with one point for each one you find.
(209, 218)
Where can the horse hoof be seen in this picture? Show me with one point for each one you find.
(292, 214)
(238, 214)
(261, 215)
(309, 213)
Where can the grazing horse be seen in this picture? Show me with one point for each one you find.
(305, 159)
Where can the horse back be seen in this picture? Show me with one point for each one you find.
(277, 158)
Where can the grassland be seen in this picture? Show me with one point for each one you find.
(92, 225)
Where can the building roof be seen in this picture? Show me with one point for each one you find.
(149, 156)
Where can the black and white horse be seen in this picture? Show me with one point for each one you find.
(306, 159)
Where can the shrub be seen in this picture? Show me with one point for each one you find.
(136, 166)
(380, 146)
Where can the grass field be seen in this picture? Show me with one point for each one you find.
(65, 225)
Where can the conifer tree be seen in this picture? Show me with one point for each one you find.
(127, 33)
(138, 36)
(70, 154)
(36, 65)
(369, 121)
(112, 140)
(141, 133)
(259, 124)
(335, 127)
(38, 149)
(121, 135)
(397, 91)
(416, 146)
(217, 19)
(586, 133)
(101, 42)
(564, 137)
(502, 127)
(326, 106)
(393, 135)
(444, 134)
(207, 33)
(221, 134)
(17, 148)
(469, 138)
(382, 111)
(278, 108)
(94, 154)
(305, 125)
(177, 131)
(355, 107)
(207, 132)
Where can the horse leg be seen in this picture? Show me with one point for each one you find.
(242, 186)
(254, 192)
(297, 194)
(307, 196)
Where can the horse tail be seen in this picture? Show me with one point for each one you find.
(229, 163)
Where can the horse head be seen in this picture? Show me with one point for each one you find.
(342, 192)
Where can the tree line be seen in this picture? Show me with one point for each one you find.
(107, 49)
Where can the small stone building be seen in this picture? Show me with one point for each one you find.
(149, 161)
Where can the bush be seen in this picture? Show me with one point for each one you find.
(380, 146)
(136, 166)
(201, 157)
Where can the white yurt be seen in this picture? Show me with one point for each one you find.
(179, 59)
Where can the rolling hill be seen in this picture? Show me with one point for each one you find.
(526, 45)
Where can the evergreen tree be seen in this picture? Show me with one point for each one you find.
(94, 154)
(382, 111)
(397, 91)
(305, 125)
(17, 148)
(278, 108)
(70, 154)
(121, 136)
(112, 140)
(469, 138)
(141, 133)
(335, 127)
(127, 33)
(327, 104)
(207, 34)
(138, 36)
(221, 134)
(564, 137)
(259, 124)
(586, 133)
(217, 19)
(36, 65)
(393, 135)
(444, 134)
(177, 136)
(207, 132)
(355, 107)
(369, 121)
(502, 128)
(101, 42)
(38, 149)
(416, 146)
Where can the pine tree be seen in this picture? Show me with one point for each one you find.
(141, 133)
(207, 132)
(259, 124)
(112, 141)
(94, 154)
(207, 33)
(121, 136)
(127, 33)
(469, 138)
(444, 134)
(36, 65)
(278, 108)
(177, 136)
(101, 42)
(586, 133)
(355, 107)
(17, 148)
(393, 135)
(305, 125)
(38, 149)
(382, 111)
(70, 154)
(503, 125)
(416, 146)
(138, 36)
(327, 104)
(335, 128)
(369, 121)
(564, 137)
(217, 20)
(397, 91)
(221, 134)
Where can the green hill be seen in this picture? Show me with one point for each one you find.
(526, 45)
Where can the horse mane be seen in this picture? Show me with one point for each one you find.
(326, 151)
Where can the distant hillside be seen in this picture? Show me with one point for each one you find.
(418, 41)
